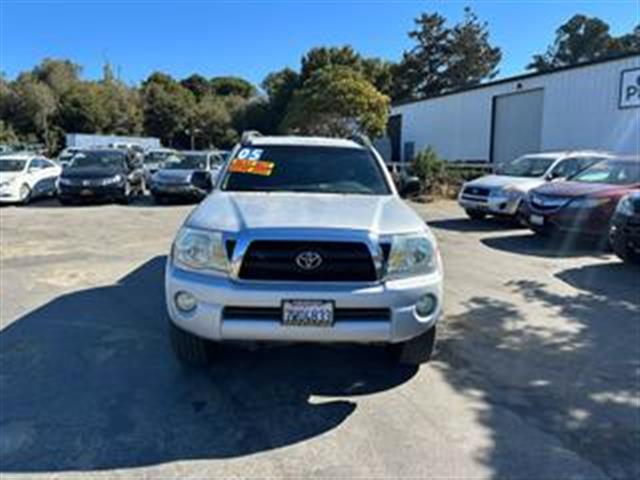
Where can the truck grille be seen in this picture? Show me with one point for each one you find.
(276, 260)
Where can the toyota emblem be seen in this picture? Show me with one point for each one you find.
(309, 260)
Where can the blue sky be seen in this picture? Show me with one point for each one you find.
(253, 38)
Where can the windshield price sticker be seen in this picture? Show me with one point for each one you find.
(254, 167)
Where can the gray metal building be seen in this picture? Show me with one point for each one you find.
(589, 106)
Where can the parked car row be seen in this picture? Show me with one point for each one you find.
(590, 194)
(111, 173)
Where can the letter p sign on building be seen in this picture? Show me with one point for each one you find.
(630, 88)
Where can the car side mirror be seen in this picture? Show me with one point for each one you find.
(411, 186)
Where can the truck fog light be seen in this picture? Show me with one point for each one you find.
(185, 302)
(426, 305)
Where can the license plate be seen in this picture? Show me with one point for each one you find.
(307, 313)
(536, 220)
(86, 192)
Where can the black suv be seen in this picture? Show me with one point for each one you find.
(105, 174)
(625, 228)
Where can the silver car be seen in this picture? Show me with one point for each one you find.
(502, 193)
(304, 239)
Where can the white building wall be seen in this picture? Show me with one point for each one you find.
(580, 110)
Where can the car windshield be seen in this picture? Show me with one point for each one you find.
(526, 167)
(186, 161)
(305, 169)
(616, 172)
(99, 159)
(11, 165)
(157, 157)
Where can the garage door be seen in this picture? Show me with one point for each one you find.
(517, 125)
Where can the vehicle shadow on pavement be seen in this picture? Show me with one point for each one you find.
(467, 225)
(88, 382)
(571, 377)
(549, 247)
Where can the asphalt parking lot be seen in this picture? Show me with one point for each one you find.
(536, 375)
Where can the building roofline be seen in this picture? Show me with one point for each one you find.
(523, 76)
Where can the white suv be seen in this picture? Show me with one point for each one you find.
(304, 239)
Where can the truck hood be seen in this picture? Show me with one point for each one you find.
(501, 181)
(579, 189)
(237, 211)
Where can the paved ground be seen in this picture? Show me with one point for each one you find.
(536, 376)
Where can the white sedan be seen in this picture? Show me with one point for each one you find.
(25, 176)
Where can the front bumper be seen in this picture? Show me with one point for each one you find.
(176, 190)
(214, 293)
(9, 194)
(584, 221)
(90, 192)
(492, 204)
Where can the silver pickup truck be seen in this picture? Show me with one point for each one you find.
(304, 239)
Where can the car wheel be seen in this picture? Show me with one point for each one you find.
(624, 252)
(475, 214)
(188, 348)
(416, 351)
(24, 194)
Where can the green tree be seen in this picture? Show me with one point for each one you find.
(375, 70)
(196, 84)
(58, 75)
(211, 122)
(7, 134)
(35, 107)
(236, 86)
(279, 87)
(167, 107)
(81, 109)
(583, 39)
(445, 58)
(122, 108)
(337, 101)
(471, 58)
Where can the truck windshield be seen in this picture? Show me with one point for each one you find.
(307, 169)
(531, 167)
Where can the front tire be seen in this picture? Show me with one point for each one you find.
(476, 214)
(188, 348)
(624, 252)
(416, 351)
(24, 194)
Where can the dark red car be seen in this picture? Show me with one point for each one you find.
(586, 202)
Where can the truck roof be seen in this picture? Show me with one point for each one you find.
(294, 140)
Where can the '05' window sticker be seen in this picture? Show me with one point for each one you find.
(248, 161)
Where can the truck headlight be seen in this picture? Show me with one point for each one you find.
(625, 206)
(411, 255)
(200, 250)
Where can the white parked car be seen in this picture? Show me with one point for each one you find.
(501, 194)
(304, 239)
(24, 176)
